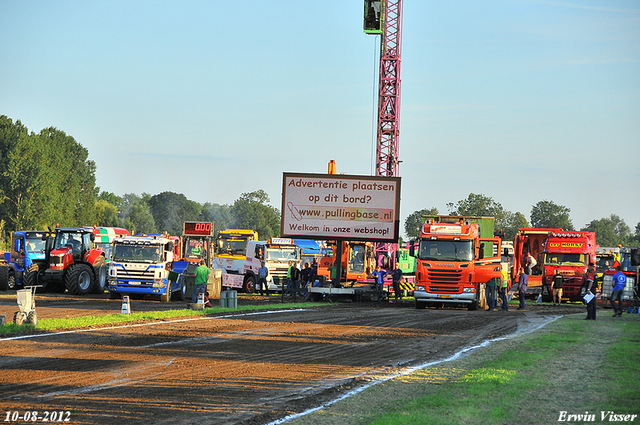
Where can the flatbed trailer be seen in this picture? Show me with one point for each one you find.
(355, 293)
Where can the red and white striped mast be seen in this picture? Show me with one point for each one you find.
(389, 21)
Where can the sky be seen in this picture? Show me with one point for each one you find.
(521, 101)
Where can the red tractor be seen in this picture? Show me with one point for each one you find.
(73, 263)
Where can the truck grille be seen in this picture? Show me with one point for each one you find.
(437, 276)
(140, 275)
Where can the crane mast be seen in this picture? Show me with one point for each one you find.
(389, 89)
(385, 18)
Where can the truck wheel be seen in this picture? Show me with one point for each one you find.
(32, 318)
(100, 281)
(4, 278)
(18, 318)
(473, 306)
(166, 297)
(249, 286)
(420, 305)
(79, 279)
(179, 295)
(34, 276)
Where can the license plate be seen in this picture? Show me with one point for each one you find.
(444, 296)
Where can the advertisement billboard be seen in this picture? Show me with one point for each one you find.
(337, 206)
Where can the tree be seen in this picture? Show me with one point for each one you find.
(479, 205)
(251, 211)
(610, 231)
(512, 223)
(170, 210)
(547, 214)
(135, 214)
(414, 221)
(219, 215)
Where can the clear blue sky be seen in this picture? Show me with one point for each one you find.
(522, 101)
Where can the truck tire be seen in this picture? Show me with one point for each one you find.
(100, 281)
(249, 285)
(473, 306)
(79, 279)
(34, 276)
(4, 278)
(180, 294)
(420, 305)
(166, 297)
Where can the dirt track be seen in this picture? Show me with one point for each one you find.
(234, 368)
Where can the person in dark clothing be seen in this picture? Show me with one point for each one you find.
(557, 283)
(591, 290)
(522, 287)
(304, 275)
(397, 277)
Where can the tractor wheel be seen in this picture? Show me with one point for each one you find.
(32, 318)
(79, 279)
(18, 318)
(249, 285)
(4, 278)
(34, 276)
(7, 278)
(100, 281)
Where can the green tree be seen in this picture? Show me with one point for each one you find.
(135, 214)
(610, 231)
(170, 210)
(414, 221)
(106, 214)
(547, 214)
(479, 205)
(251, 211)
(219, 215)
(512, 222)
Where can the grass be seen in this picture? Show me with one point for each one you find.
(571, 365)
(112, 319)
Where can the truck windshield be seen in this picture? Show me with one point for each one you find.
(445, 250)
(356, 258)
(566, 259)
(232, 247)
(282, 255)
(137, 253)
(603, 262)
(35, 244)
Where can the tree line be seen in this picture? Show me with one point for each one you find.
(47, 179)
(610, 231)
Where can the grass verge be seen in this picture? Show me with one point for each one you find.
(112, 319)
(572, 366)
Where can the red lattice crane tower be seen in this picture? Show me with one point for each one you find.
(385, 18)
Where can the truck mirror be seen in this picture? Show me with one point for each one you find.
(481, 253)
(412, 248)
(92, 237)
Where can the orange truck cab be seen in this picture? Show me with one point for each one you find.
(454, 262)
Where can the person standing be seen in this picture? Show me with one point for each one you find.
(522, 287)
(397, 277)
(294, 278)
(379, 274)
(202, 276)
(504, 286)
(591, 290)
(263, 286)
(491, 294)
(531, 263)
(304, 275)
(557, 283)
(619, 283)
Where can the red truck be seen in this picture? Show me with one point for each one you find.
(566, 251)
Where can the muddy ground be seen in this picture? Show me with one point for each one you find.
(232, 367)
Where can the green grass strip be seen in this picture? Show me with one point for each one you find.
(112, 319)
(573, 366)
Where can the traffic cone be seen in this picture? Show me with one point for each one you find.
(126, 306)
